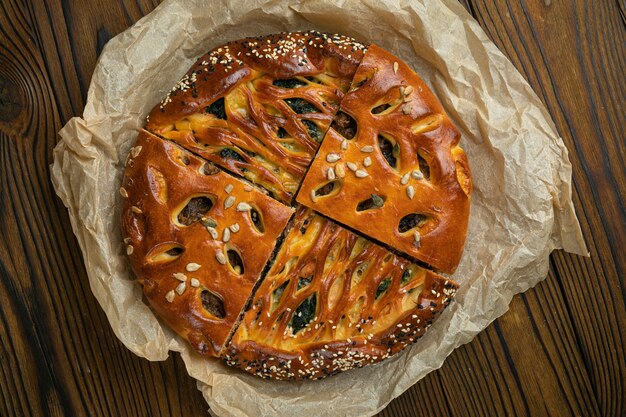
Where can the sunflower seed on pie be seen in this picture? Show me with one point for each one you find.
(192, 267)
(229, 202)
(332, 157)
(405, 179)
(360, 173)
(410, 191)
(244, 207)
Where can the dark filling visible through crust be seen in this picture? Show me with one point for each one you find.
(195, 209)
(410, 221)
(345, 125)
(217, 109)
(301, 106)
(213, 304)
(304, 314)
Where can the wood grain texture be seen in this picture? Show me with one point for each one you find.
(559, 351)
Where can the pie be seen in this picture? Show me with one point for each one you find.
(291, 203)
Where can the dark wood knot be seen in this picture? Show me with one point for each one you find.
(10, 100)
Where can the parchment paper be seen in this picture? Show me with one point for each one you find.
(521, 205)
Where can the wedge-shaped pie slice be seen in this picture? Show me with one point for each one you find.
(197, 239)
(333, 301)
(390, 166)
(260, 106)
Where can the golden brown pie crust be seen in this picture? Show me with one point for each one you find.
(206, 221)
(432, 193)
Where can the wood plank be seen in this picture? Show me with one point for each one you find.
(559, 350)
(581, 81)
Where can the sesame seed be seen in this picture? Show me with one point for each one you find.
(234, 227)
(417, 174)
(212, 232)
(123, 192)
(244, 207)
(195, 283)
(220, 257)
(229, 188)
(136, 209)
(367, 161)
(180, 288)
(129, 250)
(226, 235)
(361, 173)
(192, 267)
(410, 191)
(332, 157)
(180, 276)
(395, 67)
(352, 166)
(330, 174)
(229, 202)
(367, 149)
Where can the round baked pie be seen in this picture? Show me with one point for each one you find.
(290, 202)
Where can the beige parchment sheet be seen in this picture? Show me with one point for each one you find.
(521, 204)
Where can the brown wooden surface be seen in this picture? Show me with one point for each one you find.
(559, 351)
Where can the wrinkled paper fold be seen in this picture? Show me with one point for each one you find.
(521, 204)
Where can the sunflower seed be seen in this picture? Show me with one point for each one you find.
(395, 67)
(332, 157)
(234, 227)
(194, 283)
(123, 192)
(367, 149)
(192, 267)
(129, 250)
(208, 222)
(136, 209)
(405, 179)
(226, 235)
(229, 202)
(313, 196)
(180, 276)
(340, 171)
(406, 109)
(377, 200)
(170, 296)
(410, 191)
(220, 257)
(212, 232)
(229, 188)
(352, 166)
(408, 90)
(247, 188)
(417, 174)
(244, 207)
(344, 144)
(367, 161)
(402, 90)
(330, 174)
(360, 173)
(417, 237)
(127, 240)
(135, 151)
(180, 288)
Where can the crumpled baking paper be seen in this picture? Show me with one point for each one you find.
(521, 204)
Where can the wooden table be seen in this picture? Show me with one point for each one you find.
(559, 350)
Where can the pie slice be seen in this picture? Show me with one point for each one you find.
(391, 167)
(333, 301)
(197, 238)
(259, 107)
